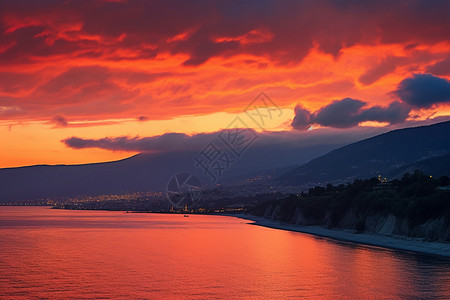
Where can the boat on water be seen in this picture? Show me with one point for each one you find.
(186, 209)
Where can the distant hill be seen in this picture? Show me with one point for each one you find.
(137, 173)
(141, 173)
(438, 166)
(389, 154)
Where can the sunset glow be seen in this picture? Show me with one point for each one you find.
(223, 149)
(84, 69)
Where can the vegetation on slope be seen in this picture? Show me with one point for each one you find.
(416, 201)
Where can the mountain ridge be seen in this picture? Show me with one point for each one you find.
(378, 155)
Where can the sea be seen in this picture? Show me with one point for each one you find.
(83, 254)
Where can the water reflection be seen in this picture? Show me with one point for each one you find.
(63, 254)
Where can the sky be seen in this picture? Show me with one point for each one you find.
(93, 81)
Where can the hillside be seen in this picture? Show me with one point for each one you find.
(142, 173)
(415, 205)
(437, 166)
(388, 154)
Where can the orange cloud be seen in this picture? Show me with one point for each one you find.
(96, 61)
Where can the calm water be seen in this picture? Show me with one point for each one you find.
(47, 253)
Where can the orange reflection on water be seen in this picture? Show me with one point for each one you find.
(88, 254)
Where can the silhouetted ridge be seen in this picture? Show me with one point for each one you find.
(385, 154)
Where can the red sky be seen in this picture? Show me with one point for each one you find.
(96, 69)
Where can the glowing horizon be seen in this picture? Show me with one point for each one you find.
(122, 68)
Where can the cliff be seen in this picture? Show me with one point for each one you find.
(415, 206)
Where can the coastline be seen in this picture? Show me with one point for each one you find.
(402, 243)
(398, 242)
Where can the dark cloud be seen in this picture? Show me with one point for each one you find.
(59, 121)
(411, 46)
(270, 143)
(285, 31)
(396, 112)
(350, 112)
(302, 118)
(162, 143)
(271, 149)
(142, 118)
(340, 113)
(424, 90)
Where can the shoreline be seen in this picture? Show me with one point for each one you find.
(403, 243)
(397, 242)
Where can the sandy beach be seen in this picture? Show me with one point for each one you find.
(392, 242)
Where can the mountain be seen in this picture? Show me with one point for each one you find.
(388, 154)
(142, 173)
(137, 173)
(438, 166)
